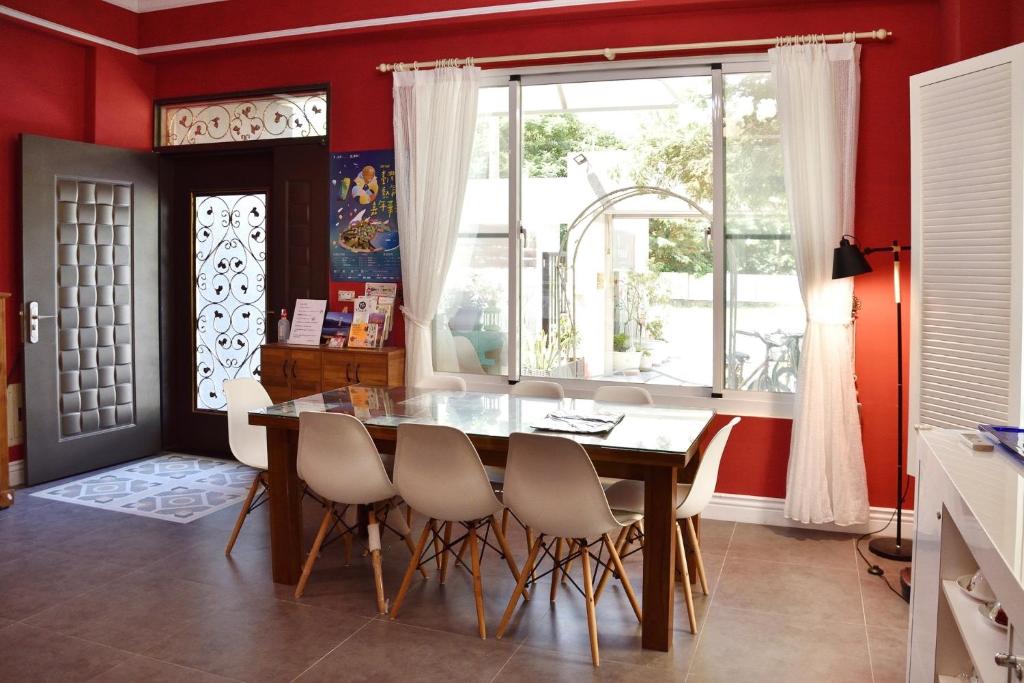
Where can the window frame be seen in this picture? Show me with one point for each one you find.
(716, 396)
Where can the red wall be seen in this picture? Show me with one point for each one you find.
(41, 74)
(361, 119)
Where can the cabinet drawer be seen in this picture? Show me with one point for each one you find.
(341, 369)
(274, 369)
(304, 372)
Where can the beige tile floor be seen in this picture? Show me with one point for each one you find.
(94, 595)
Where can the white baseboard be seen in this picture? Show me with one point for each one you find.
(17, 471)
(730, 507)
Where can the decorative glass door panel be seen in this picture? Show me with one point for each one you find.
(230, 296)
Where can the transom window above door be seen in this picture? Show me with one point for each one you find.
(243, 118)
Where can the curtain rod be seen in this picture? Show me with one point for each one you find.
(612, 53)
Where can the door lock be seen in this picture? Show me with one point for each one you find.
(32, 328)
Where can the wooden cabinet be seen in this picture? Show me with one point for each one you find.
(290, 372)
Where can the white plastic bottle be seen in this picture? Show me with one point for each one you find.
(284, 327)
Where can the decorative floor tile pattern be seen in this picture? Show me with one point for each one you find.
(172, 487)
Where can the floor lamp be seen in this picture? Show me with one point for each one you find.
(850, 260)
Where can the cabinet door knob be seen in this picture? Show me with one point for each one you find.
(357, 373)
(284, 367)
(347, 378)
(1011, 662)
(294, 363)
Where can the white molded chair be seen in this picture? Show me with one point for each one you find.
(611, 393)
(339, 462)
(536, 388)
(467, 357)
(691, 499)
(248, 442)
(443, 383)
(551, 484)
(439, 474)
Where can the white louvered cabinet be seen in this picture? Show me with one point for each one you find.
(967, 216)
(967, 170)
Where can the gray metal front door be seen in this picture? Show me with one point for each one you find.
(90, 257)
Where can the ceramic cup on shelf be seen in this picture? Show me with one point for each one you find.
(978, 585)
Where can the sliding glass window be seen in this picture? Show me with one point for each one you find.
(624, 195)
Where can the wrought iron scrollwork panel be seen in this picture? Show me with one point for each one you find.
(295, 115)
(230, 291)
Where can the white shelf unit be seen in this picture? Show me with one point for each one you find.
(978, 637)
(970, 517)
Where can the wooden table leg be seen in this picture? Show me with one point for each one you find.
(659, 558)
(285, 506)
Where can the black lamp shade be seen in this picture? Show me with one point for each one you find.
(848, 260)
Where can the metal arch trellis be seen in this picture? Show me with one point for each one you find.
(586, 218)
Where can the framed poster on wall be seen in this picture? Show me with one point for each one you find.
(364, 215)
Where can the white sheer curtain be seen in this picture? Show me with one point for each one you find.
(818, 91)
(434, 117)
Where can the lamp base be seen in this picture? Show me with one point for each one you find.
(886, 547)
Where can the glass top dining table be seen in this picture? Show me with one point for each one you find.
(655, 430)
(657, 445)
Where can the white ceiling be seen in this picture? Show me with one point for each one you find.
(154, 5)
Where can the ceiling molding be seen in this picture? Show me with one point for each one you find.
(66, 30)
(338, 27)
(341, 26)
(139, 6)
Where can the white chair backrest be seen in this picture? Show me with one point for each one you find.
(439, 474)
(536, 388)
(551, 485)
(248, 442)
(466, 354)
(704, 480)
(338, 460)
(445, 358)
(443, 383)
(611, 393)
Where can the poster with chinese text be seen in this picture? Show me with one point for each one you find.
(364, 217)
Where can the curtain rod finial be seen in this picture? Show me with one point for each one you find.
(882, 34)
(383, 68)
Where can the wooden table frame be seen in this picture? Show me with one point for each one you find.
(658, 471)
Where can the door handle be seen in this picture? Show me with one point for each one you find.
(347, 378)
(294, 363)
(32, 313)
(357, 373)
(284, 368)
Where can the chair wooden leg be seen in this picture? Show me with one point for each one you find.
(412, 550)
(414, 562)
(606, 574)
(556, 571)
(623, 577)
(314, 552)
(524, 576)
(507, 552)
(692, 533)
(570, 549)
(378, 575)
(588, 590)
(445, 553)
(243, 513)
(504, 521)
(687, 589)
(478, 589)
